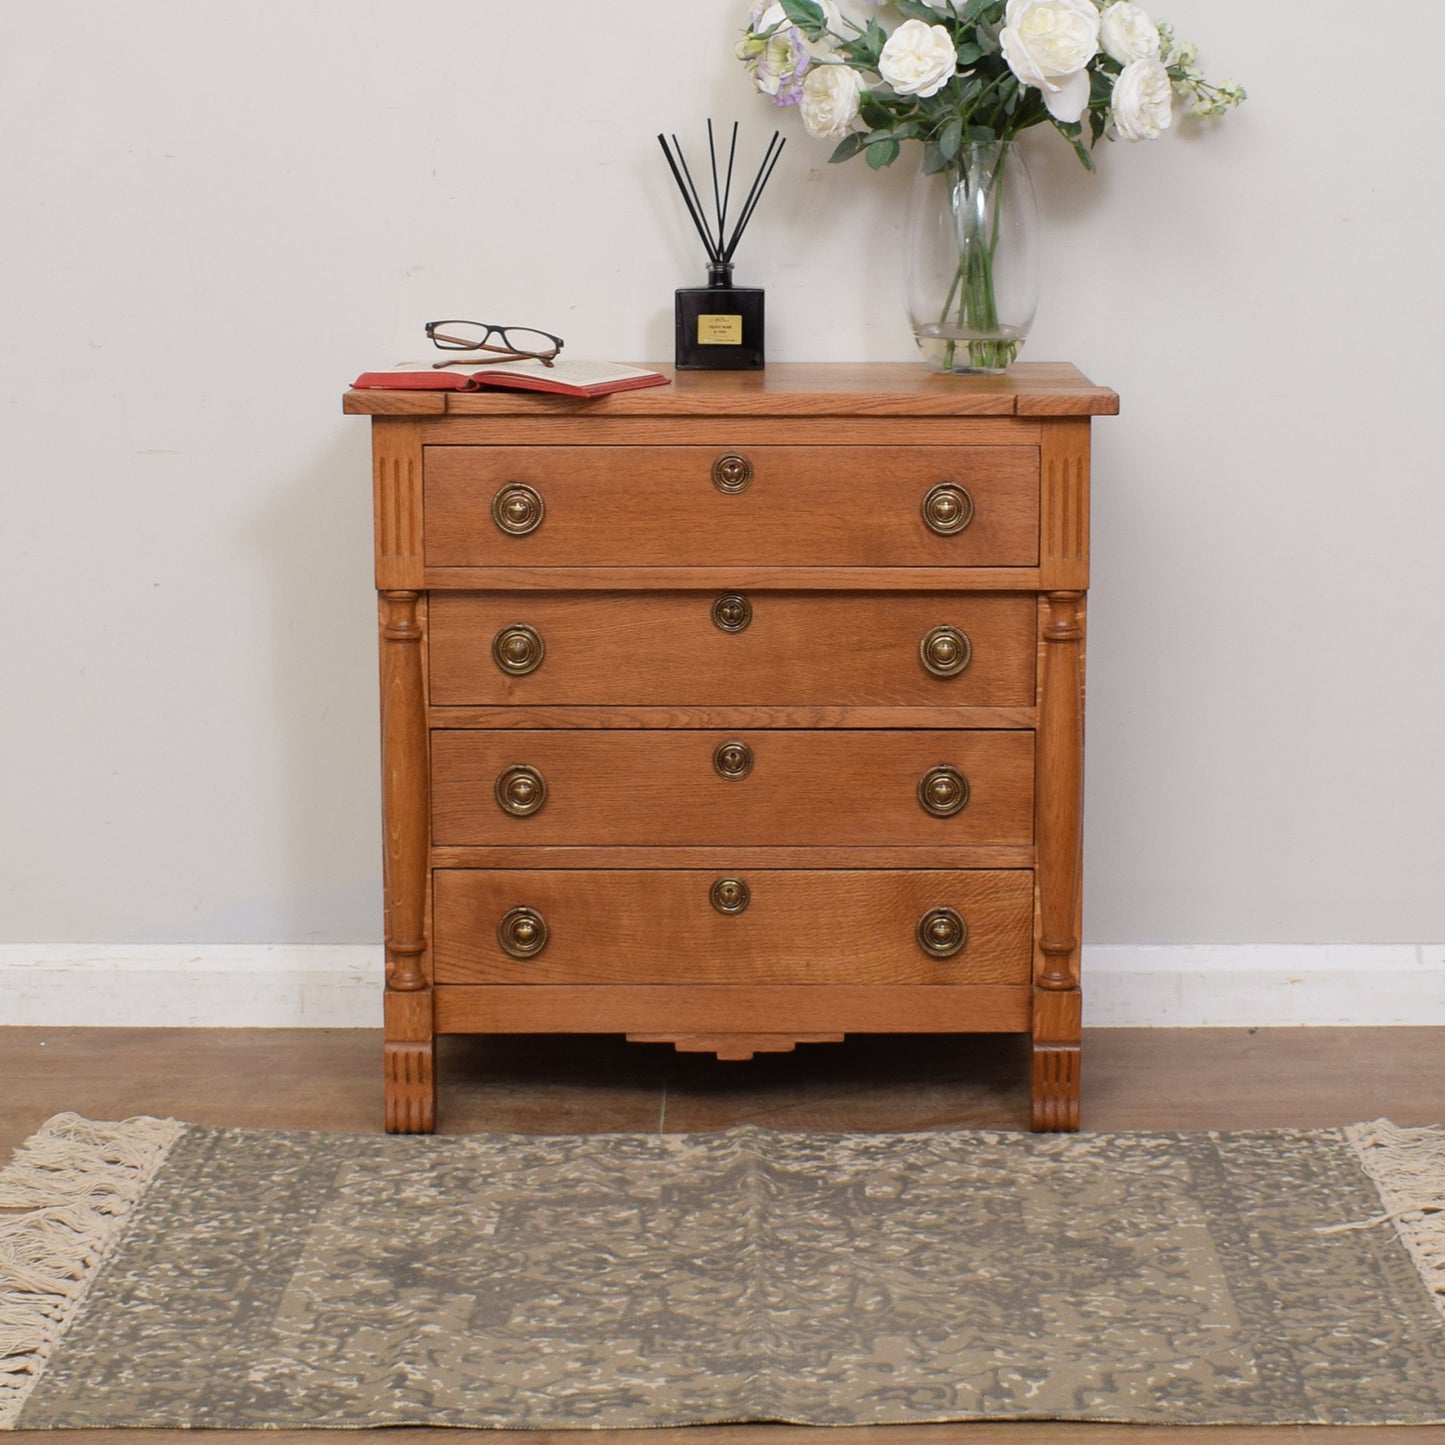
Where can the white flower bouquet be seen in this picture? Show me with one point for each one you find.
(957, 70)
(964, 77)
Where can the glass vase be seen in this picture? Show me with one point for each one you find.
(972, 239)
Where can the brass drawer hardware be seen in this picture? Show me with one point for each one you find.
(517, 509)
(520, 790)
(942, 932)
(733, 760)
(943, 791)
(522, 933)
(732, 472)
(948, 508)
(730, 895)
(732, 612)
(945, 651)
(518, 649)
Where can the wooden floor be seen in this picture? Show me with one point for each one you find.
(1133, 1079)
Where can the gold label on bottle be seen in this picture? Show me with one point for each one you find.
(719, 330)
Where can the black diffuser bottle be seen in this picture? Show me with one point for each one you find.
(719, 327)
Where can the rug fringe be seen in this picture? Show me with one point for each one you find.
(76, 1181)
(1407, 1167)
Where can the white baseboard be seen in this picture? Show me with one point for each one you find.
(339, 985)
(1263, 985)
(203, 985)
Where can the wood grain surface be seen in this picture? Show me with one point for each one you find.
(649, 506)
(810, 648)
(663, 788)
(813, 927)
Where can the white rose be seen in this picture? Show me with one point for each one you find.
(830, 100)
(1048, 44)
(918, 59)
(1128, 34)
(1142, 103)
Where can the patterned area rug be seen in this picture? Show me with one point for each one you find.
(153, 1274)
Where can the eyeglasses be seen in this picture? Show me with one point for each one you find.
(517, 342)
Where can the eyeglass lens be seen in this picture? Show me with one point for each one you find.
(465, 335)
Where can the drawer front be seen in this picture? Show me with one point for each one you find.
(736, 650)
(797, 927)
(801, 506)
(685, 787)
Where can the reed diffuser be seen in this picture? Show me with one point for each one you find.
(719, 327)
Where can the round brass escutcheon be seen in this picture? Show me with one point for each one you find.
(517, 509)
(943, 791)
(730, 895)
(948, 508)
(522, 933)
(733, 760)
(945, 651)
(518, 649)
(941, 932)
(732, 473)
(520, 790)
(732, 612)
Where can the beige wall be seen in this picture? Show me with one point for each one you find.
(215, 214)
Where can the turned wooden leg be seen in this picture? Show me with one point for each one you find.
(1057, 1010)
(408, 1055)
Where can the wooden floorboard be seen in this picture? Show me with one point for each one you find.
(1133, 1079)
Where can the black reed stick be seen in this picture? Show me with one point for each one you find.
(687, 201)
(692, 187)
(728, 188)
(755, 195)
(716, 190)
(720, 249)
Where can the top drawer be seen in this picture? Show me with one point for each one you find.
(619, 506)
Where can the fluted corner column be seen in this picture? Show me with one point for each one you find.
(408, 1055)
(1057, 1010)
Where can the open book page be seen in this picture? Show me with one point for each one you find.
(563, 370)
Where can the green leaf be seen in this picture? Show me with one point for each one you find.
(1071, 132)
(917, 10)
(875, 115)
(875, 38)
(846, 148)
(883, 153)
(968, 53)
(806, 15)
(950, 139)
(934, 159)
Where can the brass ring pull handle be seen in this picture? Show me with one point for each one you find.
(943, 791)
(733, 760)
(732, 612)
(732, 472)
(522, 933)
(941, 932)
(520, 790)
(948, 508)
(730, 895)
(946, 651)
(517, 509)
(518, 649)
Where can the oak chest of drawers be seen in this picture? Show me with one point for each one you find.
(735, 713)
